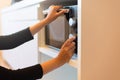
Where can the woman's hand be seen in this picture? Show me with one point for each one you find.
(67, 50)
(54, 12)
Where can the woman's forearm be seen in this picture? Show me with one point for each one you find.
(15, 39)
(52, 64)
(38, 26)
(51, 16)
(63, 57)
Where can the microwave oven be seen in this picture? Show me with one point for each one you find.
(64, 27)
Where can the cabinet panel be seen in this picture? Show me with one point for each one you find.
(100, 40)
(27, 53)
(27, 13)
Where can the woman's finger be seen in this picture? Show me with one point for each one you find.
(68, 41)
(72, 45)
(61, 12)
(59, 7)
(72, 50)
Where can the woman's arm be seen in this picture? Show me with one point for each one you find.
(18, 38)
(64, 56)
(28, 73)
(37, 71)
(54, 12)
(15, 39)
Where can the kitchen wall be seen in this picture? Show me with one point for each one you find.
(3, 4)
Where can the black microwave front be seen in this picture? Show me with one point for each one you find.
(64, 27)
